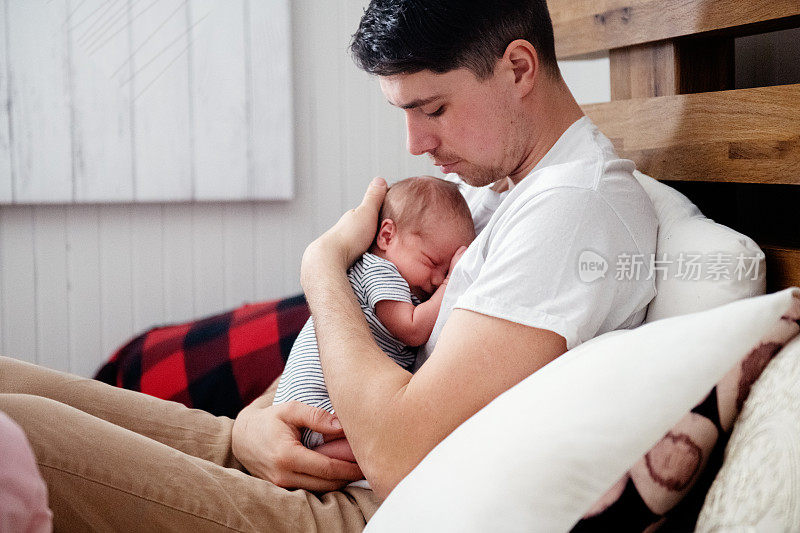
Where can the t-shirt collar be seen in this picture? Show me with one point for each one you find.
(567, 145)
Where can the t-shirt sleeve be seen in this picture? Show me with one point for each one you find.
(531, 272)
(382, 281)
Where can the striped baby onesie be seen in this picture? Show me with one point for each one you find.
(373, 279)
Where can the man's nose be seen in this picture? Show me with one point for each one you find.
(420, 138)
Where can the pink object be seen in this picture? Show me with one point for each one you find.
(23, 493)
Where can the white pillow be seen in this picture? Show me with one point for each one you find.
(758, 487)
(541, 454)
(729, 266)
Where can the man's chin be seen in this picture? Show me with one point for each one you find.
(477, 180)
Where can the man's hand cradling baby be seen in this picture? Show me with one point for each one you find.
(350, 237)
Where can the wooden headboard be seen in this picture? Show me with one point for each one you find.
(676, 113)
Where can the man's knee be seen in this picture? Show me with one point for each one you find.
(25, 408)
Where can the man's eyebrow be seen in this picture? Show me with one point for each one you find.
(417, 103)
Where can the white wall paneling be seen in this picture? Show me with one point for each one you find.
(5, 124)
(83, 275)
(269, 98)
(218, 96)
(147, 260)
(272, 273)
(101, 106)
(357, 110)
(18, 284)
(302, 227)
(238, 252)
(145, 101)
(158, 75)
(208, 244)
(37, 61)
(178, 263)
(52, 298)
(116, 279)
(326, 86)
(588, 77)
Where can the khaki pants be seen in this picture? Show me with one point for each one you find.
(118, 460)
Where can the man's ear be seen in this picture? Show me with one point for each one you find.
(524, 61)
(386, 233)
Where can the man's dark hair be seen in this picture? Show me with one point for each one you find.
(407, 36)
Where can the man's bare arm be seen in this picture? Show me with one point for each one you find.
(393, 419)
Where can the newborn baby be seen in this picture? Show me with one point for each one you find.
(424, 224)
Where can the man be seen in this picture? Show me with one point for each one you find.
(482, 95)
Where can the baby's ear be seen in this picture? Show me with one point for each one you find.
(385, 233)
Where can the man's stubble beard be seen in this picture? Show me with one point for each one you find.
(481, 176)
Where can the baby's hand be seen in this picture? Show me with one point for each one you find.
(337, 449)
(454, 260)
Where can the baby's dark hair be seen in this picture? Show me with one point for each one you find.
(409, 201)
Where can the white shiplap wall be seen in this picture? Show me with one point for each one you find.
(76, 281)
(145, 101)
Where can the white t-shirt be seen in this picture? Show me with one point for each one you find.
(579, 202)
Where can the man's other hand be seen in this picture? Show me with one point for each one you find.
(266, 440)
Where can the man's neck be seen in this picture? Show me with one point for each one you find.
(558, 106)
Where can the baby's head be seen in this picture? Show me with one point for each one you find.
(423, 222)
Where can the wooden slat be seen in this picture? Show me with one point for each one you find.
(783, 267)
(666, 68)
(582, 27)
(746, 135)
(643, 71)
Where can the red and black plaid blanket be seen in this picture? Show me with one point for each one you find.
(219, 363)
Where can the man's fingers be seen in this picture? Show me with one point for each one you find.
(301, 415)
(376, 191)
(315, 464)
